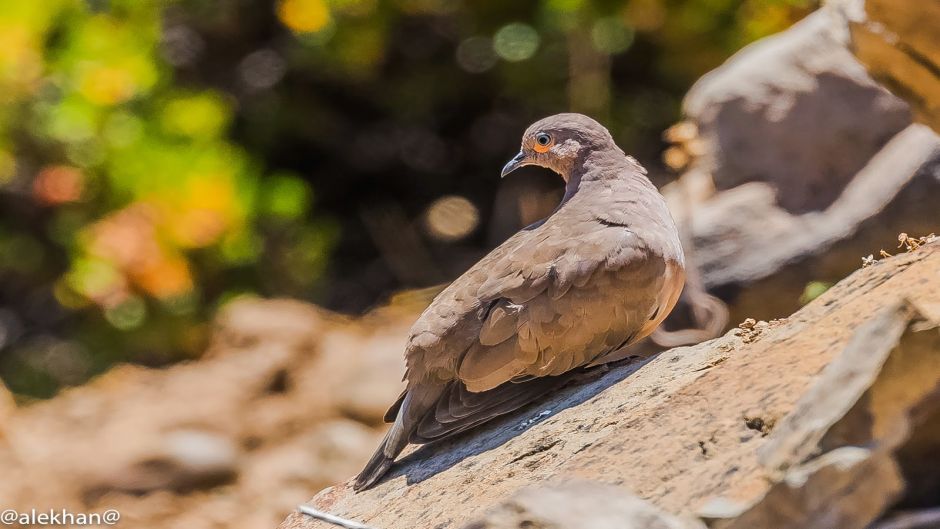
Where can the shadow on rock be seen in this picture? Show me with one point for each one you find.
(433, 458)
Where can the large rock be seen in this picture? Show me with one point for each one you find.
(686, 429)
(840, 458)
(800, 165)
(795, 110)
(897, 41)
(760, 258)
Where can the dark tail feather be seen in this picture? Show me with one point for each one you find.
(394, 408)
(375, 468)
(416, 403)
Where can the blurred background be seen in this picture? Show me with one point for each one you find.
(160, 158)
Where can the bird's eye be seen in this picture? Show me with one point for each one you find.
(542, 142)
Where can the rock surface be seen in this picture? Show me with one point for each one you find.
(840, 458)
(762, 266)
(236, 439)
(578, 505)
(678, 430)
(796, 111)
(897, 41)
(793, 135)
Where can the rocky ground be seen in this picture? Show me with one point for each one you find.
(287, 400)
(828, 418)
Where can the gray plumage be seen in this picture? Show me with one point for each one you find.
(600, 273)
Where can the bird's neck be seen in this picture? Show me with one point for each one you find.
(572, 184)
(601, 165)
(614, 189)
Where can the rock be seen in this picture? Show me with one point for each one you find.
(181, 461)
(235, 439)
(7, 405)
(281, 473)
(835, 392)
(366, 398)
(897, 41)
(919, 519)
(363, 390)
(882, 393)
(846, 488)
(679, 429)
(8, 457)
(794, 110)
(246, 322)
(793, 135)
(749, 264)
(578, 505)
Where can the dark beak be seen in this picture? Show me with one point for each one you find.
(514, 164)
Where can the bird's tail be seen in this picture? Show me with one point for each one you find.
(416, 403)
(377, 466)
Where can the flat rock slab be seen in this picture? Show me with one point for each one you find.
(676, 430)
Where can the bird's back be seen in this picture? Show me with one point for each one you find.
(557, 294)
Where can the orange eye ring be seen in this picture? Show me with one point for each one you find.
(543, 142)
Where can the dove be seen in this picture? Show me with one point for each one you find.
(566, 293)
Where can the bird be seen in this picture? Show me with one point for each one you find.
(566, 293)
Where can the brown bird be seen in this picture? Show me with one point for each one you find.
(568, 292)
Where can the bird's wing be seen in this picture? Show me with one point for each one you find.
(459, 409)
(541, 316)
(539, 308)
(592, 298)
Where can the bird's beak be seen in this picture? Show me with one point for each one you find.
(517, 162)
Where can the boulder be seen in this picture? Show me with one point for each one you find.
(801, 164)
(763, 261)
(696, 427)
(795, 110)
(578, 505)
(897, 42)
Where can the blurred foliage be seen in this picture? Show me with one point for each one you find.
(160, 157)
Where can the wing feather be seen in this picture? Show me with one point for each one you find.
(465, 409)
(540, 308)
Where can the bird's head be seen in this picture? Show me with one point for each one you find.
(560, 142)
